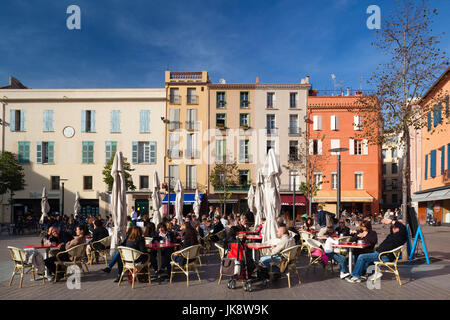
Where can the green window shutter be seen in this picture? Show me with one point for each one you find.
(147, 152)
(153, 152)
(92, 121)
(22, 120)
(39, 152)
(442, 159)
(429, 121)
(91, 152)
(433, 163)
(27, 151)
(48, 120)
(144, 121)
(51, 152)
(12, 120)
(113, 148)
(21, 152)
(83, 121)
(107, 151)
(426, 167)
(241, 150)
(134, 158)
(85, 152)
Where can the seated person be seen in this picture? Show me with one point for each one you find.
(250, 217)
(50, 263)
(394, 240)
(290, 227)
(164, 235)
(243, 224)
(190, 238)
(217, 227)
(358, 227)
(329, 251)
(99, 233)
(55, 235)
(205, 226)
(342, 229)
(285, 242)
(368, 236)
(224, 220)
(308, 225)
(175, 225)
(259, 229)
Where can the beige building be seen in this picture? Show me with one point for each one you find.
(68, 135)
(391, 184)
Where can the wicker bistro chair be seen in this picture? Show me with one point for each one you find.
(129, 257)
(390, 266)
(190, 254)
(222, 253)
(76, 255)
(316, 260)
(102, 253)
(18, 256)
(288, 262)
(342, 251)
(303, 237)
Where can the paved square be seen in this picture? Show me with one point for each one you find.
(420, 281)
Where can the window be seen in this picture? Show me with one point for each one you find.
(175, 96)
(54, 182)
(394, 168)
(270, 100)
(191, 145)
(87, 152)
(318, 180)
(115, 121)
(293, 124)
(294, 180)
(144, 121)
(437, 114)
(270, 124)
(315, 147)
(192, 96)
(383, 184)
(383, 153)
(429, 121)
(221, 120)
(191, 123)
(394, 153)
(220, 100)
(384, 168)
(45, 152)
(24, 152)
(17, 120)
(433, 163)
(87, 120)
(244, 152)
(394, 184)
(174, 176)
(357, 123)
(244, 177)
(335, 143)
(144, 152)
(334, 122)
(333, 180)
(394, 198)
(293, 100)
(244, 100)
(293, 151)
(143, 182)
(174, 119)
(221, 150)
(317, 122)
(358, 180)
(244, 120)
(270, 144)
(48, 120)
(110, 150)
(87, 182)
(358, 146)
(191, 177)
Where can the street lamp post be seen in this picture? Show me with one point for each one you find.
(338, 201)
(62, 195)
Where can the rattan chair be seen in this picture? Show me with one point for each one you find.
(342, 251)
(76, 255)
(106, 242)
(129, 257)
(18, 256)
(222, 253)
(390, 266)
(303, 237)
(191, 255)
(316, 260)
(288, 262)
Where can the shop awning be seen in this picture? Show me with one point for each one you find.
(346, 196)
(287, 200)
(431, 196)
(189, 198)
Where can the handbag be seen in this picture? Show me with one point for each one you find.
(230, 267)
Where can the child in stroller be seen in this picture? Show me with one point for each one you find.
(240, 264)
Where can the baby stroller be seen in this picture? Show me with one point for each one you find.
(239, 265)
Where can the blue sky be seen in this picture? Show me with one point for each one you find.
(129, 44)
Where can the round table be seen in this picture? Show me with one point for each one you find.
(256, 246)
(160, 246)
(47, 248)
(350, 246)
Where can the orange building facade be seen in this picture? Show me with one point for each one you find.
(336, 122)
(433, 198)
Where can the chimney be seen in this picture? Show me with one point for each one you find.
(358, 93)
(257, 80)
(307, 79)
(348, 91)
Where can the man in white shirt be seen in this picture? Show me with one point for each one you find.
(285, 242)
(134, 215)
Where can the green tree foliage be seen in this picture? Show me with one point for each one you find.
(12, 177)
(109, 180)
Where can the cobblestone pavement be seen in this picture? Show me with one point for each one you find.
(420, 281)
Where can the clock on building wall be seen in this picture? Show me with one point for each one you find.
(68, 132)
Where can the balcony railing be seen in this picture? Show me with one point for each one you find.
(186, 75)
(191, 185)
(192, 154)
(192, 99)
(294, 130)
(244, 104)
(294, 157)
(174, 154)
(174, 125)
(221, 104)
(245, 159)
(243, 188)
(192, 125)
(175, 99)
(272, 131)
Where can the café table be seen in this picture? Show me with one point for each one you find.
(256, 246)
(160, 246)
(253, 237)
(45, 246)
(350, 247)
